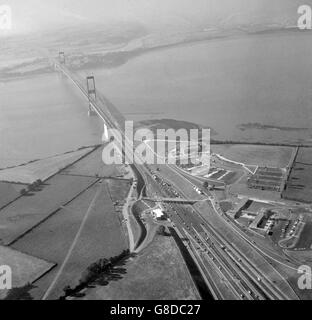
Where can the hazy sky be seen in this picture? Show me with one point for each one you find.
(34, 15)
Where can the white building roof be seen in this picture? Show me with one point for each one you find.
(158, 213)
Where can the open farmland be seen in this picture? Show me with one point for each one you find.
(149, 276)
(101, 237)
(265, 156)
(41, 169)
(9, 192)
(93, 165)
(299, 184)
(305, 239)
(25, 268)
(44, 222)
(26, 212)
(304, 156)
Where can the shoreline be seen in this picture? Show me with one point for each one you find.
(115, 59)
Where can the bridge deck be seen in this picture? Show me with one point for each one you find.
(168, 200)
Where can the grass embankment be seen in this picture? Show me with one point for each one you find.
(137, 209)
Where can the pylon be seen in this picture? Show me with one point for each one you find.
(62, 58)
(91, 93)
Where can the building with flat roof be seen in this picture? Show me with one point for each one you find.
(239, 207)
(158, 214)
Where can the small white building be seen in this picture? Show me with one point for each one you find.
(158, 213)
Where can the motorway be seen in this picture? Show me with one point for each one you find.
(247, 278)
(270, 254)
(250, 260)
(240, 275)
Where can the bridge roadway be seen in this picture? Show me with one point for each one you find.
(246, 276)
(171, 200)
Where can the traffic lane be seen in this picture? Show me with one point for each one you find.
(190, 233)
(183, 219)
(165, 186)
(191, 225)
(227, 232)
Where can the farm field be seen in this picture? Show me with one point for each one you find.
(305, 239)
(118, 189)
(41, 169)
(25, 268)
(304, 156)
(93, 165)
(149, 276)
(101, 237)
(9, 192)
(29, 210)
(44, 222)
(299, 184)
(265, 156)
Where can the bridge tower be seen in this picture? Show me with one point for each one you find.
(62, 58)
(91, 93)
(92, 97)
